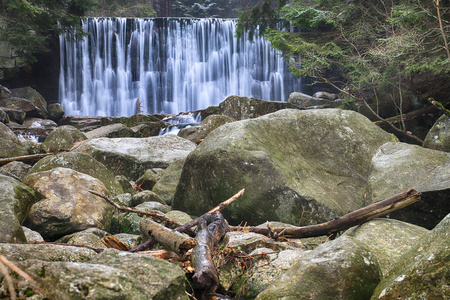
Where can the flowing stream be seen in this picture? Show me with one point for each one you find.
(125, 66)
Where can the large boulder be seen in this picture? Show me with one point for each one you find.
(133, 156)
(322, 100)
(340, 269)
(239, 107)
(111, 274)
(63, 138)
(387, 239)
(438, 138)
(83, 163)
(110, 131)
(166, 186)
(15, 201)
(55, 112)
(15, 169)
(33, 96)
(424, 271)
(10, 145)
(307, 166)
(46, 252)
(68, 206)
(27, 106)
(397, 167)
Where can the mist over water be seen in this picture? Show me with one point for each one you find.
(170, 65)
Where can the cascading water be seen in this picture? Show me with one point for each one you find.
(123, 66)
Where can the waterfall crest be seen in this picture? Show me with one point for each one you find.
(168, 65)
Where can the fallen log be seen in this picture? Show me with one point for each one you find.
(211, 229)
(354, 218)
(33, 158)
(169, 239)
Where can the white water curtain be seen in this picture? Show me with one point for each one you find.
(170, 65)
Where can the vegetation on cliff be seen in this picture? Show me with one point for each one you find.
(368, 49)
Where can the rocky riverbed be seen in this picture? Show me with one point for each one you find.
(298, 166)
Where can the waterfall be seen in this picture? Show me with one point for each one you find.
(167, 65)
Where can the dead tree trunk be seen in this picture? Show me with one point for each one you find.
(354, 218)
(206, 277)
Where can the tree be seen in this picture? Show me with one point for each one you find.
(369, 50)
(29, 24)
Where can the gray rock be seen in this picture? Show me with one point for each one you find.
(305, 101)
(197, 133)
(15, 115)
(240, 108)
(4, 118)
(294, 164)
(63, 138)
(123, 199)
(438, 138)
(325, 95)
(125, 184)
(340, 269)
(111, 274)
(27, 106)
(46, 252)
(145, 196)
(153, 205)
(10, 146)
(39, 124)
(423, 271)
(249, 241)
(31, 235)
(179, 216)
(146, 130)
(34, 97)
(166, 186)
(133, 156)
(4, 92)
(131, 240)
(387, 239)
(149, 178)
(110, 131)
(15, 169)
(55, 112)
(68, 206)
(15, 201)
(397, 167)
(83, 163)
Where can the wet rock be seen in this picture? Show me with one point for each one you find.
(39, 124)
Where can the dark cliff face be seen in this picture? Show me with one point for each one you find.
(43, 76)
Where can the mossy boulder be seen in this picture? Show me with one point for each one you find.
(340, 269)
(166, 186)
(296, 166)
(110, 131)
(387, 239)
(67, 206)
(16, 200)
(83, 163)
(10, 146)
(397, 167)
(46, 252)
(424, 271)
(34, 97)
(63, 138)
(55, 112)
(198, 133)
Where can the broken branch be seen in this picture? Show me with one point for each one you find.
(354, 218)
